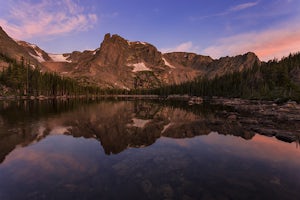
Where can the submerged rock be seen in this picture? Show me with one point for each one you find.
(265, 131)
(286, 137)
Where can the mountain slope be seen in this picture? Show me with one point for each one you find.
(119, 63)
(185, 59)
(35, 51)
(123, 64)
(227, 64)
(12, 49)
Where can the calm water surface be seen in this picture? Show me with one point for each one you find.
(138, 150)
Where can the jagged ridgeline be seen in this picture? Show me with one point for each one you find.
(267, 80)
(120, 66)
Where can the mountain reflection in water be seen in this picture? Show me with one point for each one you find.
(116, 125)
(52, 150)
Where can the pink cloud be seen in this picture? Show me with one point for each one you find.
(243, 6)
(47, 18)
(233, 9)
(183, 47)
(267, 44)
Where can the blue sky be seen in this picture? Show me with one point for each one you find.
(270, 28)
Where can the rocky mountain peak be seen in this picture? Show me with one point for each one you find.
(113, 51)
(114, 38)
(117, 51)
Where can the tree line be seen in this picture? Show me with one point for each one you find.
(24, 78)
(267, 80)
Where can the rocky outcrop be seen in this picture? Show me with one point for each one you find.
(113, 51)
(116, 51)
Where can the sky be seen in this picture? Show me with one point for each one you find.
(269, 28)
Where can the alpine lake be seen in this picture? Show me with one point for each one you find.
(146, 149)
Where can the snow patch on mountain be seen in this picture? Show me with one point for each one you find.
(39, 56)
(59, 58)
(95, 51)
(168, 64)
(136, 42)
(32, 45)
(140, 67)
(140, 123)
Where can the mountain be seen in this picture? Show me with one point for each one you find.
(12, 49)
(35, 51)
(119, 63)
(123, 64)
(227, 64)
(210, 67)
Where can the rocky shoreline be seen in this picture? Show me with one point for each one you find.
(42, 97)
(264, 117)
